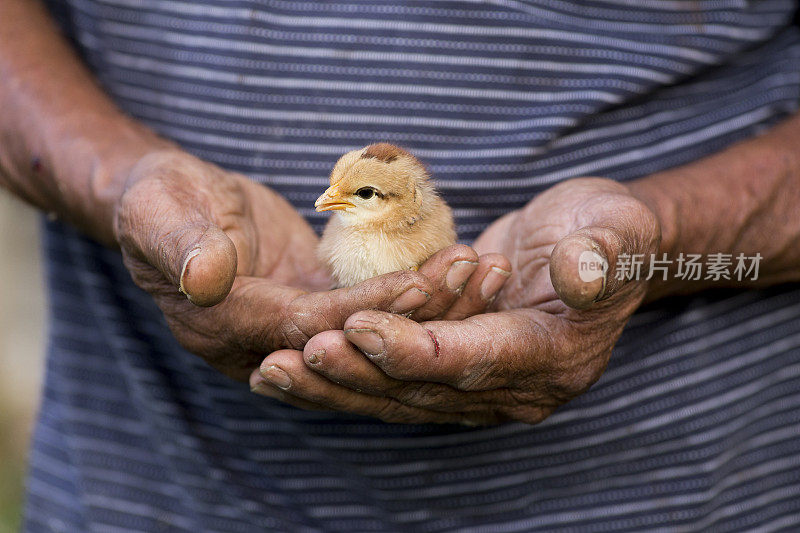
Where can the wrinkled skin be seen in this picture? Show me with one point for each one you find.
(245, 264)
(522, 362)
(518, 363)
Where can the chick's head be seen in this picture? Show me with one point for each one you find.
(380, 185)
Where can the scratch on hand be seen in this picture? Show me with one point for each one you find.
(435, 343)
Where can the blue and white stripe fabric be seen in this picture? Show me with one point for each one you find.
(694, 427)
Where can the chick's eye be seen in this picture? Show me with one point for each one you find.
(365, 192)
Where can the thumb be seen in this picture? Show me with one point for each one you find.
(173, 235)
(584, 263)
(208, 267)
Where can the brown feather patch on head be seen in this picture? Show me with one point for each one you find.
(384, 152)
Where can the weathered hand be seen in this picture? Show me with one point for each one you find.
(519, 363)
(245, 261)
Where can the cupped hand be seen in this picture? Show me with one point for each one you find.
(233, 266)
(549, 339)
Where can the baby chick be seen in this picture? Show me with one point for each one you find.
(388, 215)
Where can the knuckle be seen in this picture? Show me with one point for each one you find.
(492, 368)
(138, 208)
(387, 411)
(396, 413)
(463, 252)
(179, 239)
(298, 315)
(499, 260)
(486, 365)
(641, 229)
(410, 278)
(526, 406)
(296, 324)
(429, 395)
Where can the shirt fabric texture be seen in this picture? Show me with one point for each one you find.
(694, 426)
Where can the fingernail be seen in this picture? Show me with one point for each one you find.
(315, 356)
(602, 290)
(277, 377)
(367, 340)
(261, 388)
(493, 281)
(459, 273)
(194, 253)
(409, 300)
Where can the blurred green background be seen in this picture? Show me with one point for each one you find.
(21, 348)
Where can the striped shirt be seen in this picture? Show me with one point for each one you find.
(695, 426)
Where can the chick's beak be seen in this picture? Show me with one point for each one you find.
(331, 201)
